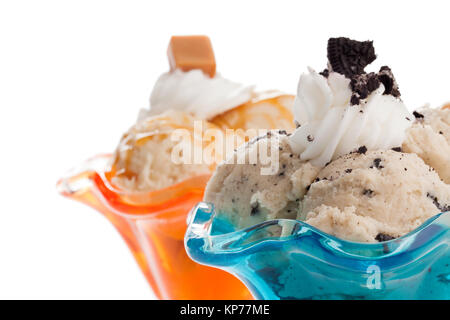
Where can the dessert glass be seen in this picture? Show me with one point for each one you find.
(153, 225)
(289, 259)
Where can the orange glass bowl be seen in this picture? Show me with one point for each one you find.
(153, 225)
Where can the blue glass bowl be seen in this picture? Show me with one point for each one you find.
(289, 259)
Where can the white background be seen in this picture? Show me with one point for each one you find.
(73, 75)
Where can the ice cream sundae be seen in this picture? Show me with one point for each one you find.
(359, 165)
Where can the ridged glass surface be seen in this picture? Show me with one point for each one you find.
(289, 259)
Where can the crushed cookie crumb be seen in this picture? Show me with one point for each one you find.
(442, 208)
(418, 115)
(354, 100)
(255, 209)
(364, 84)
(386, 77)
(376, 163)
(325, 73)
(381, 237)
(362, 150)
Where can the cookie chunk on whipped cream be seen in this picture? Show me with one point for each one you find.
(337, 113)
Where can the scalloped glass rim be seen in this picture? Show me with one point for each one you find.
(228, 244)
(96, 171)
(153, 226)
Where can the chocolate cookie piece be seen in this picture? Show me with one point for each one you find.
(386, 77)
(376, 163)
(381, 237)
(418, 115)
(362, 150)
(354, 100)
(350, 57)
(325, 73)
(362, 85)
(441, 207)
(255, 209)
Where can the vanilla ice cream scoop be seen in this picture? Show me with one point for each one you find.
(148, 155)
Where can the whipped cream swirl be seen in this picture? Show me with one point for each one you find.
(331, 127)
(196, 93)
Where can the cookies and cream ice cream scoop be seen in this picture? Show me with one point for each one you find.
(376, 195)
(429, 138)
(248, 193)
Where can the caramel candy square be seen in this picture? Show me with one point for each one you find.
(191, 52)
